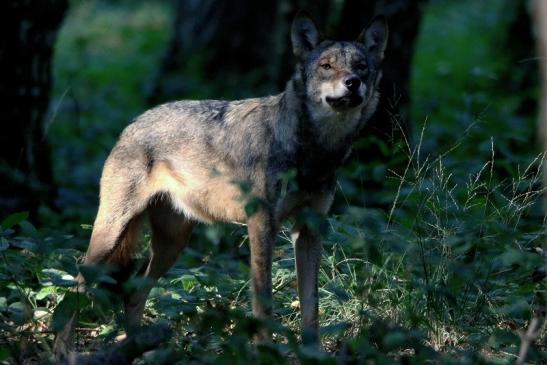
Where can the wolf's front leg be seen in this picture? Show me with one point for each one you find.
(307, 249)
(261, 236)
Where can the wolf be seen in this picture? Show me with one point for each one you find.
(184, 162)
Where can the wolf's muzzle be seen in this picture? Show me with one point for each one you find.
(350, 100)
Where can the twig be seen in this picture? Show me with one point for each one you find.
(529, 337)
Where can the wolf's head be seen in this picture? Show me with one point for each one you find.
(338, 77)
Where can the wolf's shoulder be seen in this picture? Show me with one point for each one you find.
(196, 117)
(207, 110)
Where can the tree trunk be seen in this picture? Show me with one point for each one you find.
(520, 41)
(234, 40)
(539, 10)
(29, 30)
(540, 22)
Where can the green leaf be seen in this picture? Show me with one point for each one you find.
(312, 354)
(25, 244)
(4, 244)
(58, 278)
(19, 312)
(106, 330)
(90, 273)
(335, 329)
(316, 222)
(511, 256)
(96, 274)
(339, 292)
(14, 219)
(28, 228)
(5, 352)
(245, 186)
(374, 255)
(64, 311)
(519, 308)
(137, 282)
(44, 292)
(253, 205)
(502, 338)
(394, 339)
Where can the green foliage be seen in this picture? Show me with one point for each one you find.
(448, 273)
(104, 60)
(445, 274)
(465, 79)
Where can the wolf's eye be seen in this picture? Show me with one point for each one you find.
(362, 67)
(326, 66)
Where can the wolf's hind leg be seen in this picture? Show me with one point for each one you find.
(107, 246)
(100, 251)
(113, 239)
(170, 234)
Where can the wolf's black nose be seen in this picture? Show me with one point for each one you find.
(352, 83)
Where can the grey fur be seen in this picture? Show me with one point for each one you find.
(193, 155)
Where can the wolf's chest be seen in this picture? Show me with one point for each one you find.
(316, 166)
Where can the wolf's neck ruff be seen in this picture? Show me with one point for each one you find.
(320, 146)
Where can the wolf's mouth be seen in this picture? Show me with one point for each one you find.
(344, 102)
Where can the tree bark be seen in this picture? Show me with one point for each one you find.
(539, 10)
(540, 24)
(29, 30)
(524, 73)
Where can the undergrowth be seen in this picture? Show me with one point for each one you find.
(451, 273)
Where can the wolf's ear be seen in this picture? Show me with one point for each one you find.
(304, 34)
(374, 37)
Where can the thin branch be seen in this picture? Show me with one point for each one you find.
(528, 338)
